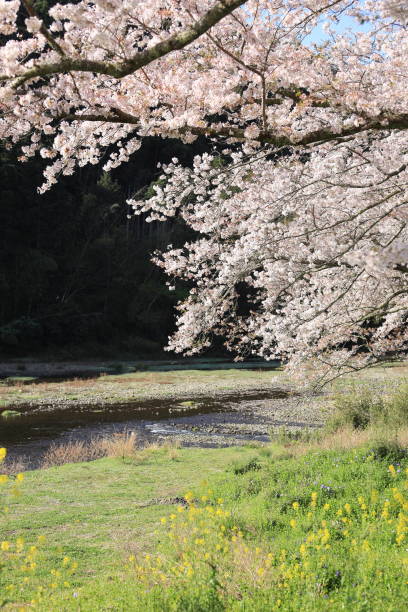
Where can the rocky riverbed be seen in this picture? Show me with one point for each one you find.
(196, 403)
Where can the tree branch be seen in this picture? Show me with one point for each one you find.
(121, 69)
(29, 7)
(398, 122)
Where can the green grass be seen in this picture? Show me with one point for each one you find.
(263, 506)
(98, 512)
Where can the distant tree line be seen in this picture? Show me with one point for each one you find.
(75, 270)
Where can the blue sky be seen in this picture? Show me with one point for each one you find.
(319, 36)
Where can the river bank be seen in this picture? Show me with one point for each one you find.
(90, 383)
(198, 403)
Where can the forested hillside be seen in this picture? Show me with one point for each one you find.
(75, 270)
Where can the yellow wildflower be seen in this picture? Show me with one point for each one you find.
(19, 544)
(374, 496)
(3, 453)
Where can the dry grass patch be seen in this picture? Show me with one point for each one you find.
(121, 445)
(71, 452)
(344, 439)
(125, 445)
(10, 467)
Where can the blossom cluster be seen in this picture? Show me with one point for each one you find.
(303, 205)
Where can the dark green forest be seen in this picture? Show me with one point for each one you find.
(75, 272)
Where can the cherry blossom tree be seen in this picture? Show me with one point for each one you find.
(301, 208)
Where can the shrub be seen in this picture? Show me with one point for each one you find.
(364, 408)
(358, 409)
(388, 449)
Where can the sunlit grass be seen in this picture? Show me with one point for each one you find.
(317, 525)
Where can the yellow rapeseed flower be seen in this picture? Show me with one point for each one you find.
(3, 453)
(19, 544)
(374, 496)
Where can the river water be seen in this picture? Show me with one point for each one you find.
(222, 421)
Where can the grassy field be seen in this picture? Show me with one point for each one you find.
(315, 526)
(98, 513)
(319, 523)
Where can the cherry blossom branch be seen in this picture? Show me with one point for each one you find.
(28, 5)
(121, 69)
(398, 122)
